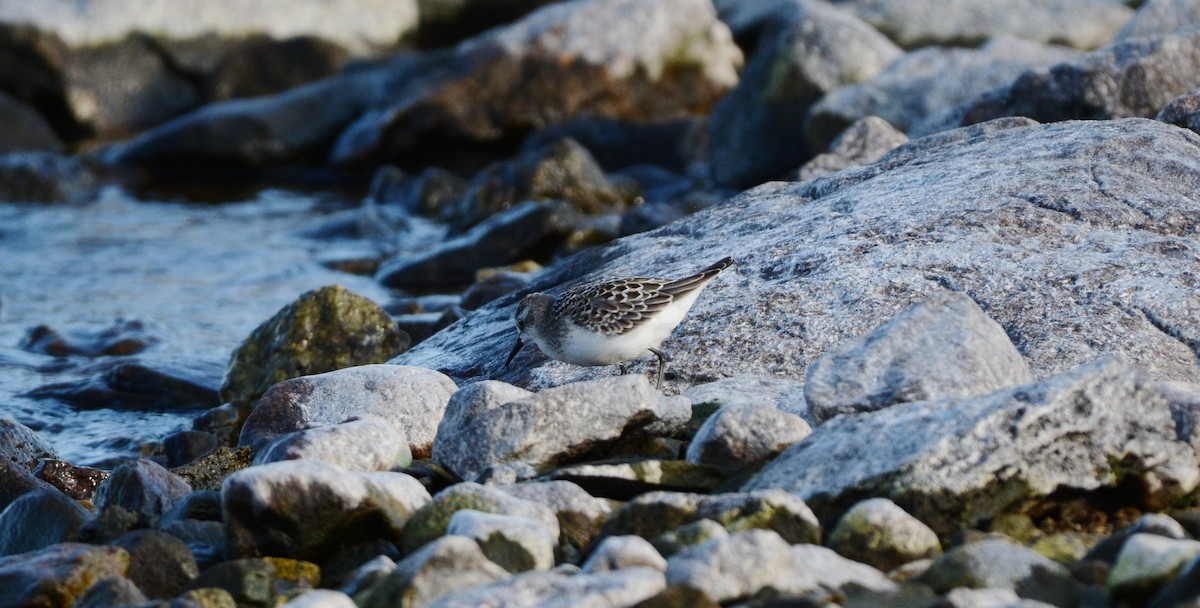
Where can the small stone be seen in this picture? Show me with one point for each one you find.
(1147, 563)
(879, 533)
(615, 588)
(616, 552)
(39, 519)
(623, 480)
(740, 436)
(320, 598)
(431, 521)
(366, 443)
(1151, 523)
(446, 565)
(161, 565)
(209, 597)
(111, 591)
(655, 513)
(22, 445)
(862, 143)
(515, 543)
(143, 487)
(689, 534)
(1001, 564)
(58, 574)
(257, 581)
(580, 515)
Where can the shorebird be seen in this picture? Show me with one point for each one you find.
(610, 321)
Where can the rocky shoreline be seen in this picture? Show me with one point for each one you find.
(956, 363)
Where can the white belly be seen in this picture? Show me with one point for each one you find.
(582, 347)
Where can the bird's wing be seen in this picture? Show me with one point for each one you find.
(614, 307)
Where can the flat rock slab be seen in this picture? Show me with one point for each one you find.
(1078, 238)
(955, 463)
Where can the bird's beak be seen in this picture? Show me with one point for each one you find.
(515, 350)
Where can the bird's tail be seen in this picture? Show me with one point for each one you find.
(698, 280)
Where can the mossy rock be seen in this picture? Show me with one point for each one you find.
(323, 330)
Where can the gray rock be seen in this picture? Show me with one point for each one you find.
(1147, 563)
(1081, 24)
(143, 487)
(58, 574)
(1151, 523)
(27, 130)
(1135, 77)
(446, 565)
(1155, 17)
(1071, 431)
(411, 398)
(515, 543)
(616, 552)
(963, 597)
(320, 598)
(39, 519)
(111, 591)
(302, 508)
(1183, 111)
(362, 25)
(500, 240)
(1001, 564)
(22, 445)
(258, 581)
(78, 482)
(612, 589)
(653, 514)
(16, 481)
(1184, 398)
(368, 575)
(580, 515)
(611, 58)
(879, 533)
(431, 521)
(623, 479)
(743, 388)
(923, 82)
(741, 565)
(45, 177)
(688, 535)
(740, 436)
(366, 443)
(862, 143)
(808, 49)
(491, 423)
(161, 565)
(942, 347)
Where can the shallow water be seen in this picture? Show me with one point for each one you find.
(199, 277)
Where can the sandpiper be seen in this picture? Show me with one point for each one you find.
(611, 321)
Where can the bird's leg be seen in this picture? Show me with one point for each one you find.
(662, 363)
(624, 368)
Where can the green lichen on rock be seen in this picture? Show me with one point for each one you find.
(431, 520)
(323, 330)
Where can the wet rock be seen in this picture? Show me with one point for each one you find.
(1147, 563)
(501, 239)
(1107, 416)
(562, 170)
(431, 521)
(491, 422)
(921, 83)
(367, 443)
(655, 513)
(303, 508)
(1156, 524)
(39, 519)
(942, 347)
(122, 338)
(625, 479)
(1081, 24)
(1001, 564)
(1160, 17)
(78, 482)
(429, 194)
(111, 591)
(492, 286)
(45, 177)
(289, 127)
(323, 330)
(823, 262)
(741, 565)
(879, 533)
(554, 590)
(134, 385)
(22, 445)
(410, 398)
(160, 564)
(862, 143)
(182, 447)
(320, 598)
(1136, 77)
(1183, 111)
(515, 543)
(27, 129)
(580, 515)
(740, 436)
(617, 144)
(110, 524)
(444, 565)
(258, 581)
(259, 65)
(221, 421)
(58, 574)
(610, 58)
(617, 552)
(142, 487)
(807, 49)
(208, 471)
